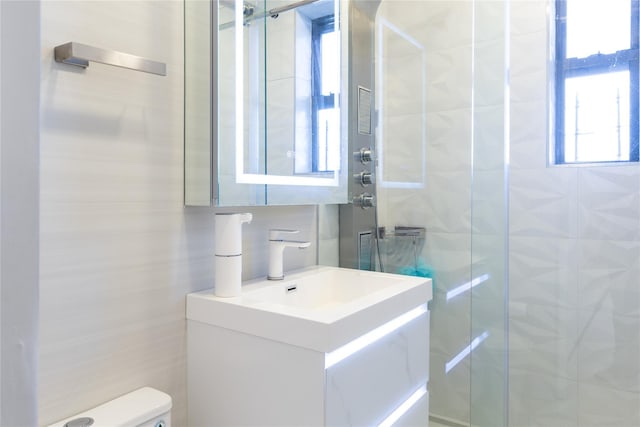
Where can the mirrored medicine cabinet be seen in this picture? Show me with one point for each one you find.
(264, 96)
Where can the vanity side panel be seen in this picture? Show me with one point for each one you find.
(367, 387)
(239, 379)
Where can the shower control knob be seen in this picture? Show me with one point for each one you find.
(364, 178)
(365, 200)
(365, 155)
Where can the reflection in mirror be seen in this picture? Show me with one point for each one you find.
(275, 116)
(287, 118)
(401, 144)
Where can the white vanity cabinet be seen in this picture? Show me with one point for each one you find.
(305, 377)
(367, 387)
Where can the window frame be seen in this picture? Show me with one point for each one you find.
(595, 64)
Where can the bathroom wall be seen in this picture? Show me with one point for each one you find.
(19, 119)
(118, 251)
(574, 324)
(574, 237)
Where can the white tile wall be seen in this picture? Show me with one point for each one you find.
(546, 400)
(118, 249)
(544, 271)
(443, 128)
(543, 202)
(622, 407)
(526, 151)
(609, 203)
(574, 254)
(573, 232)
(543, 340)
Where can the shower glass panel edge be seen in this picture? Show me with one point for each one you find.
(489, 215)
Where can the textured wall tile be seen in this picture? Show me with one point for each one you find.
(529, 16)
(402, 150)
(489, 210)
(390, 216)
(449, 23)
(489, 19)
(448, 210)
(489, 152)
(403, 81)
(529, 68)
(598, 274)
(543, 271)
(609, 203)
(437, 24)
(604, 407)
(541, 400)
(489, 80)
(543, 203)
(543, 340)
(449, 140)
(608, 275)
(609, 350)
(449, 79)
(528, 148)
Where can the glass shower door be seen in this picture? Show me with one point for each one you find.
(442, 162)
(489, 217)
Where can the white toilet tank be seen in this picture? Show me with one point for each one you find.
(145, 407)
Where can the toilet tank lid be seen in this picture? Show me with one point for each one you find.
(131, 409)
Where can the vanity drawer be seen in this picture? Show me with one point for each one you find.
(365, 388)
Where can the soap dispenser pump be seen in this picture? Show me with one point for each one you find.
(228, 256)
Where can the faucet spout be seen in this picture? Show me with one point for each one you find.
(293, 243)
(276, 252)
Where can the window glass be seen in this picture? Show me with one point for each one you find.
(330, 75)
(596, 81)
(326, 88)
(328, 130)
(597, 26)
(597, 117)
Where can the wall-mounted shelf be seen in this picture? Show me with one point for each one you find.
(80, 55)
(403, 231)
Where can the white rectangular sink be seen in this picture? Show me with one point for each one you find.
(319, 308)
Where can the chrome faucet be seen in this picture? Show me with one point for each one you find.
(276, 251)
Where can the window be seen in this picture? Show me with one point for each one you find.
(325, 88)
(596, 84)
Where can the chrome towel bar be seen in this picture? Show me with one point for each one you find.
(80, 55)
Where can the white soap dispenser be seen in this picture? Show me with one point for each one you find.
(228, 266)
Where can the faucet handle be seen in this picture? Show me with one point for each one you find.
(275, 232)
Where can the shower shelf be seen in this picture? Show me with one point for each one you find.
(400, 250)
(402, 231)
(80, 55)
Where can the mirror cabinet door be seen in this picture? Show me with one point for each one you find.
(199, 72)
(265, 102)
